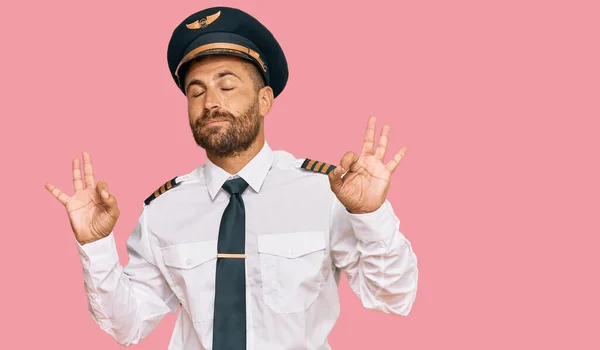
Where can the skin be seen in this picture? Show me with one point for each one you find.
(227, 103)
(225, 108)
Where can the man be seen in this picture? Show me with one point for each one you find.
(252, 243)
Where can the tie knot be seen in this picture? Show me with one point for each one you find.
(237, 185)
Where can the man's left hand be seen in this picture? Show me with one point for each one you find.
(366, 179)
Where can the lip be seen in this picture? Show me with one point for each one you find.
(214, 121)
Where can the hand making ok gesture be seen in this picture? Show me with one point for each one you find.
(364, 187)
(93, 212)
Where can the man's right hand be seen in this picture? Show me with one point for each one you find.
(93, 212)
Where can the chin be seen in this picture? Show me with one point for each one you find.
(211, 129)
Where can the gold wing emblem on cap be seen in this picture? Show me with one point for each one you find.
(204, 22)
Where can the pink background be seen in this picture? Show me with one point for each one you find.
(497, 102)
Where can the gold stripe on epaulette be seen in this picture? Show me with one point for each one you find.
(317, 166)
(161, 190)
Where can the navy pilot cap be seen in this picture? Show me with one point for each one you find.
(225, 30)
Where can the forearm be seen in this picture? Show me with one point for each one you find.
(126, 309)
(378, 260)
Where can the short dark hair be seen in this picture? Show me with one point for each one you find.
(257, 78)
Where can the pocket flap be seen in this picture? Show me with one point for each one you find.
(189, 255)
(291, 245)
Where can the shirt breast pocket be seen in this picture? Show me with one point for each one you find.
(192, 269)
(292, 267)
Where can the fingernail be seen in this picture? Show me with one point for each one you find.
(104, 194)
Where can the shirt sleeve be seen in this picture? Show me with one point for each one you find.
(126, 302)
(377, 259)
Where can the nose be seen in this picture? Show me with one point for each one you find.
(212, 100)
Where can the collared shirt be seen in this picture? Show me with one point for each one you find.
(299, 238)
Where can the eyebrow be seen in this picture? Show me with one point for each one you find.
(225, 73)
(216, 76)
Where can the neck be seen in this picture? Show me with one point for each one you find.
(233, 164)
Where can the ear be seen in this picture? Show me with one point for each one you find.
(265, 100)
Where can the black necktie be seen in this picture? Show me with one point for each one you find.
(229, 326)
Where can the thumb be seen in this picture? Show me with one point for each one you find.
(335, 178)
(109, 199)
(102, 190)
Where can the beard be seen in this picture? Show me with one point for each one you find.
(231, 138)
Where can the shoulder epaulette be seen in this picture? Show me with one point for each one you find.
(162, 189)
(316, 166)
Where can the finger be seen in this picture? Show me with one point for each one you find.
(348, 160)
(335, 179)
(383, 142)
(88, 170)
(102, 189)
(393, 163)
(77, 180)
(58, 194)
(369, 144)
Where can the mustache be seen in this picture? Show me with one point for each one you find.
(208, 117)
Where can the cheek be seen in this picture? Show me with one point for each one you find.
(239, 102)
(194, 108)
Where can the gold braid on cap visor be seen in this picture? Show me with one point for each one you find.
(220, 47)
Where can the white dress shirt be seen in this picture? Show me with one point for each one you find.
(299, 238)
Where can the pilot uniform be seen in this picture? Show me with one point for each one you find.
(274, 285)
